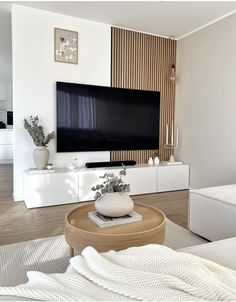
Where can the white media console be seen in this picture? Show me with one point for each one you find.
(71, 186)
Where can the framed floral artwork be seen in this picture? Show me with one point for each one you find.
(65, 46)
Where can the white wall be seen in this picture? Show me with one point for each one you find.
(35, 74)
(206, 103)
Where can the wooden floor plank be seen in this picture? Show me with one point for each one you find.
(17, 223)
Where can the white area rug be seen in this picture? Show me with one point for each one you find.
(51, 255)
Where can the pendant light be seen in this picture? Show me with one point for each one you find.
(172, 74)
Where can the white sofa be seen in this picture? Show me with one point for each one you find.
(222, 252)
(212, 212)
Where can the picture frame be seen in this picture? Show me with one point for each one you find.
(65, 46)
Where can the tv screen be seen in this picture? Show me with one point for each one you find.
(96, 118)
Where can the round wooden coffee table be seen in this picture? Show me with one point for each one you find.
(81, 231)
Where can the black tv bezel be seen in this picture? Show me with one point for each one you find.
(107, 150)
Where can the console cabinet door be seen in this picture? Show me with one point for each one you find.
(173, 178)
(142, 180)
(42, 190)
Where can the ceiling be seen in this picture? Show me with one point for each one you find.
(164, 18)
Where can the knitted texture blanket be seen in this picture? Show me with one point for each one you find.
(152, 272)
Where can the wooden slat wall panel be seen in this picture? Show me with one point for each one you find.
(142, 61)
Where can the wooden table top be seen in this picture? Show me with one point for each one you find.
(152, 219)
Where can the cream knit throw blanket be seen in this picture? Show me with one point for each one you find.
(152, 272)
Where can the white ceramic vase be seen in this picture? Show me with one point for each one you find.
(156, 160)
(115, 204)
(41, 156)
(172, 159)
(150, 161)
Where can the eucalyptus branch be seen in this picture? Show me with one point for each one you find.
(111, 184)
(36, 132)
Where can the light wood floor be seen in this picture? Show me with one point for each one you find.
(17, 223)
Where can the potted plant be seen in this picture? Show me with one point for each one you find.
(40, 139)
(111, 198)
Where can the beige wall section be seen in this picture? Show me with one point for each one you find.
(143, 61)
(206, 103)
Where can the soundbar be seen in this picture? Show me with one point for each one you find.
(111, 163)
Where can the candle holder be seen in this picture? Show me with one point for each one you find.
(174, 141)
(172, 157)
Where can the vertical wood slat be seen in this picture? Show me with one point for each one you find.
(142, 61)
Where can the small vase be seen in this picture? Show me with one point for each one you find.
(156, 160)
(150, 161)
(115, 204)
(41, 156)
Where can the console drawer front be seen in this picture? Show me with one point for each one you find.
(173, 178)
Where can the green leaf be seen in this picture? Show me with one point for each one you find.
(36, 132)
(104, 176)
(97, 195)
(123, 172)
(110, 175)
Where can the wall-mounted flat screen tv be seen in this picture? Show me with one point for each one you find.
(96, 118)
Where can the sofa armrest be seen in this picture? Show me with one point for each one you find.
(223, 252)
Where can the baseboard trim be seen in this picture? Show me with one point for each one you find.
(17, 198)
